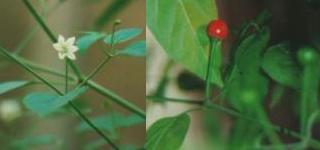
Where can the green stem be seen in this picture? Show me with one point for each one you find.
(13, 58)
(115, 98)
(309, 94)
(208, 90)
(26, 40)
(185, 101)
(47, 30)
(75, 69)
(265, 124)
(66, 77)
(44, 68)
(40, 20)
(34, 30)
(312, 142)
(95, 71)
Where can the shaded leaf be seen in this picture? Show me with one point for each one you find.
(45, 103)
(123, 35)
(87, 40)
(135, 49)
(180, 28)
(168, 133)
(280, 64)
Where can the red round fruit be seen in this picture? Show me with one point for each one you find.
(218, 29)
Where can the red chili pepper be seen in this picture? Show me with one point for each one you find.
(218, 29)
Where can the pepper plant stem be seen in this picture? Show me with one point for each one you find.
(177, 100)
(45, 69)
(39, 20)
(13, 58)
(66, 77)
(208, 90)
(95, 71)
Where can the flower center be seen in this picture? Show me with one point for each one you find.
(64, 48)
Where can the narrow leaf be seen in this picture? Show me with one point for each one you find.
(12, 85)
(168, 133)
(135, 49)
(123, 35)
(45, 103)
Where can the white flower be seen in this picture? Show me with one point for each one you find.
(10, 110)
(66, 48)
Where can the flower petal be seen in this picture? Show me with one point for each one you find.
(73, 49)
(71, 40)
(72, 56)
(61, 55)
(57, 47)
(61, 39)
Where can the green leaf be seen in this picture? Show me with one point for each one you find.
(246, 84)
(111, 122)
(123, 35)
(180, 28)
(280, 64)
(45, 103)
(12, 85)
(87, 40)
(135, 49)
(168, 133)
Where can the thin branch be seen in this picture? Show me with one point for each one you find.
(185, 101)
